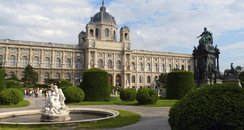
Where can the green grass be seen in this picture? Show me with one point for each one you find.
(125, 118)
(117, 101)
(22, 103)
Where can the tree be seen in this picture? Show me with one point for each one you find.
(30, 76)
(2, 78)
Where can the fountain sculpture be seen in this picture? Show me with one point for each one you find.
(55, 109)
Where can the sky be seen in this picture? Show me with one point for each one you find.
(156, 25)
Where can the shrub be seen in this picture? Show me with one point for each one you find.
(146, 96)
(12, 84)
(241, 76)
(213, 107)
(73, 94)
(178, 84)
(64, 83)
(11, 96)
(95, 84)
(2, 79)
(128, 94)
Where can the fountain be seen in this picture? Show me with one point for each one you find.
(55, 112)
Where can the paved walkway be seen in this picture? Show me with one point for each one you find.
(153, 118)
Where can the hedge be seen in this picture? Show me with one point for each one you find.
(12, 84)
(73, 94)
(146, 96)
(213, 107)
(11, 96)
(64, 83)
(179, 83)
(95, 84)
(128, 94)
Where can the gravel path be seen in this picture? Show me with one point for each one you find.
(153, 118)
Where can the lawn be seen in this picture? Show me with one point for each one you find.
(125, 118)
(20, 104)
(117, 101)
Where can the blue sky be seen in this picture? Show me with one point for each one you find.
(157, 25)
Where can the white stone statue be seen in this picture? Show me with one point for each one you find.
(55, 108)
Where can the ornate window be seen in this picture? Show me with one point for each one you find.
(118, 64)
(182, 67)
(133, 66)
(36, 61)
(47, 62)
(106, 31)
(58, 63)
(140, 66)
(68, 77)
(78, 63)
(91, 32)
(148, 68)
(140, 79)
(24, 61)
(100, 63)
(97, 32)
(162, 67)
(155, 67)
(170, 67)
(110, 64)
(126, 36)
(148, 79)
(133, 79)
(12, 60)
(1, 59)
(68, 63)
(46, 75)
(57, 76)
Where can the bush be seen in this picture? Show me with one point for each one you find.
(241, 76)
(128, 94)
(73, 94)
(64, 83)
(95, 84)
(178, 84)
(11, 96)
(2, 79)
(213, 107)
(12, 84)
(146, 96)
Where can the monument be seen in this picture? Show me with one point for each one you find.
(55, 109)
(206, 59)
(232, 75)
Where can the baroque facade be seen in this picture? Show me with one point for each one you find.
(98, 47)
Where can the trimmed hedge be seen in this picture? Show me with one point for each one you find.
(64, 83)
(2, 79)
(11, 96)
(95, 84)
(73, 94)
(128, 94)
(179, 83)
(12, 84)
(213, 107)
(146, 96)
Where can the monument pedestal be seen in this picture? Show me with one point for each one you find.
(54, 118)
(234, 81)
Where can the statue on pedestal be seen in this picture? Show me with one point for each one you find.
(55, 108)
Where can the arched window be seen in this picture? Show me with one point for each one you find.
(97, 32)
(148, 79)
(36, 61)
(140, 66)
(133, 66)
(57, 76)
(58, 63)
(126, 36)
(100, 63)
(162, 67)
(156, 67)
(118, 64)
(24, 61)
(148, 68)
(176, 66)
(46, 76)
(140, 79)
(106, 32)
(110, 64)
(114, 35)
(12, 60)
(68, 63)
(182, 67)
(133, 79)
(189, 68)
(78, 63)
(47, 62)
(1, 59)
(91, 32)
(170, 68)
(68, 77)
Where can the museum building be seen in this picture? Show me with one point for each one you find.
(98, 47)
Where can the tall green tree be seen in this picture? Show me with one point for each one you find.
(2, 78)
(30, 76)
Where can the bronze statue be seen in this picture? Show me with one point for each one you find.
(206, 37)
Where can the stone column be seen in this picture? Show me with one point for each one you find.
(6, 56)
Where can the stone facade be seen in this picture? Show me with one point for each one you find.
(97, 47)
